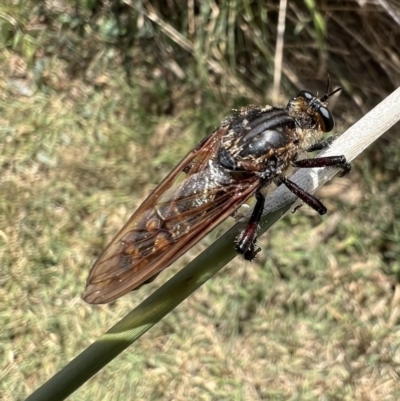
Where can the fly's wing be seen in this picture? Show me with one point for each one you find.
(184, 208)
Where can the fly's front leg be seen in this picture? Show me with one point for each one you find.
(246, 241)
(327, 161)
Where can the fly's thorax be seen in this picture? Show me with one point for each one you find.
(260, 140)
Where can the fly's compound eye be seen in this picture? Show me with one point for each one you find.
(308, 96)
(322, 113)
(326, 117)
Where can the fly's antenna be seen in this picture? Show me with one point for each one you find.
(328, 88)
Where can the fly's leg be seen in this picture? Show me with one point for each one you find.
(328, 161)
(246, 241)
(307, 198)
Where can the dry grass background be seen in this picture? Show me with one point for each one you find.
(98, 102)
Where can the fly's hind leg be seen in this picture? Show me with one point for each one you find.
(246, 242)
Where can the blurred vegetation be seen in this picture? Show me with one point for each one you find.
(99, 100)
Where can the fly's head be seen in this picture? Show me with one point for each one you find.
(311, 113)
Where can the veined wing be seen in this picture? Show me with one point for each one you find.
(192, 200)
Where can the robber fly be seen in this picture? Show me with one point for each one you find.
(248, 151)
